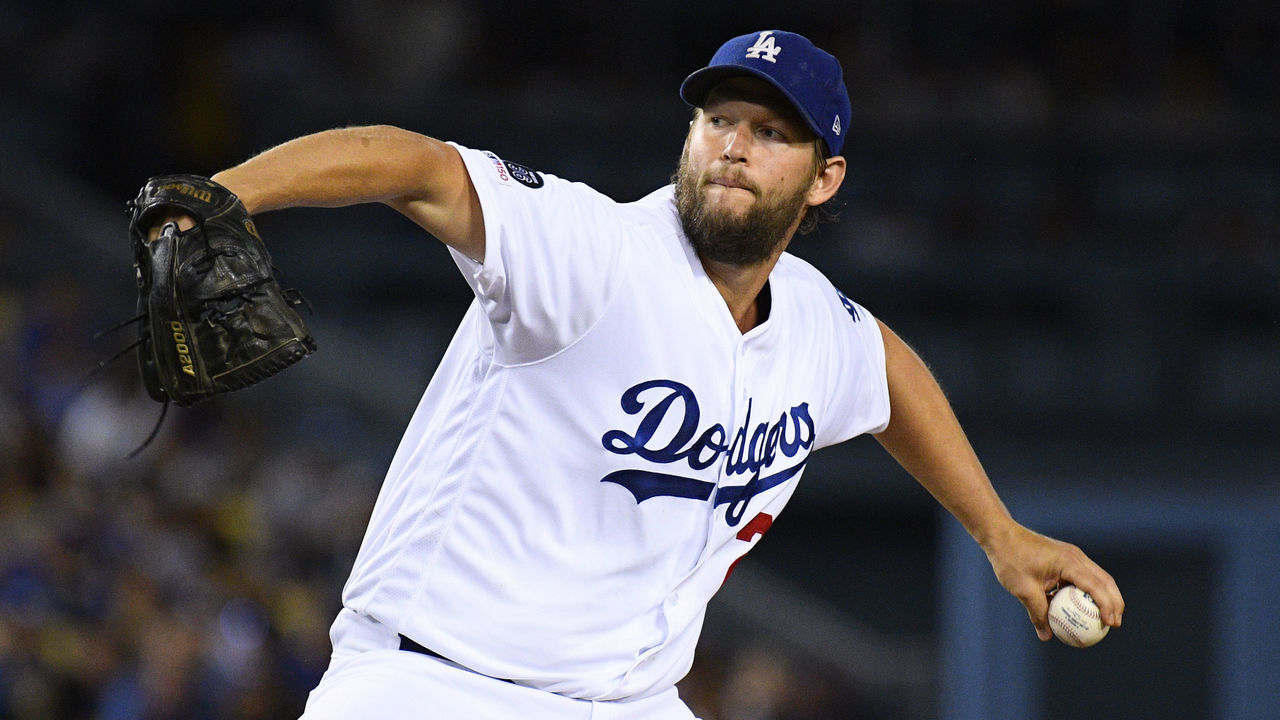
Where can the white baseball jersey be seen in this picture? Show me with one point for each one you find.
(600, 443)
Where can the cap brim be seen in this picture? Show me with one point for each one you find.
(694, 89)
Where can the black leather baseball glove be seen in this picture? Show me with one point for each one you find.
(213, 316)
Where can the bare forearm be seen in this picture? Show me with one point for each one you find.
(335, 168)
(926, 439)
(422, 178)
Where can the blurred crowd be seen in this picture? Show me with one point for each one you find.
(196, 580)
(1102, 176)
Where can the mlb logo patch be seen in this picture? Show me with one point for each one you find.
(499, 166)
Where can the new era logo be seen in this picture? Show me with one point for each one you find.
(764, 48)
(835, 126)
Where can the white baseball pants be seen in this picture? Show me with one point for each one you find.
(370, 677)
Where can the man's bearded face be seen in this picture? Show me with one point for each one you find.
(722, 234)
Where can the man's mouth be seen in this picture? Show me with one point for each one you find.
(732, 182)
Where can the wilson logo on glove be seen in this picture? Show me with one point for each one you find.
(204, 196)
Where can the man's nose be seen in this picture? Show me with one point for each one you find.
(737, 144)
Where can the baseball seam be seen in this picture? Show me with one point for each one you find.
(1066, 628)
(1088, 609)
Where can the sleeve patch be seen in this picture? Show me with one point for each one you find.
(499, 167)
(508, 171)
(524, 175)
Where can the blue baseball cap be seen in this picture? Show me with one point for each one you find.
(808, 76)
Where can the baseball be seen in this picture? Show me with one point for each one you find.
(1075, 618)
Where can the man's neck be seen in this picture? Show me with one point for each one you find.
(741, 289)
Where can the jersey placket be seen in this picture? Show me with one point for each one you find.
(740, 399)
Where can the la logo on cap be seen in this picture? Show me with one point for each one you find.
(764, 48)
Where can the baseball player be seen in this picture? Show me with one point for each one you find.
(626, 406)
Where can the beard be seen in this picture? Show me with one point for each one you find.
(720, 234)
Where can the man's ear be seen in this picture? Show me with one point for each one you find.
(828, 181)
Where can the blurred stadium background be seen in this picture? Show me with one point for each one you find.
(1070, 207)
